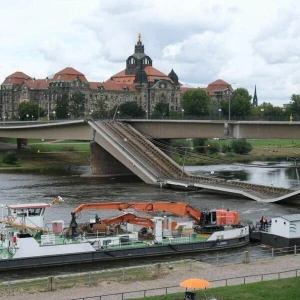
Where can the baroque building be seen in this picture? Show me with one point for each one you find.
(139, 82)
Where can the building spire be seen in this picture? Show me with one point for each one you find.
(139, 39)
(255, 100)
(139, 47)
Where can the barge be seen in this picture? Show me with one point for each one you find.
(171, 228)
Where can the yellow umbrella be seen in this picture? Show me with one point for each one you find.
(195, 283)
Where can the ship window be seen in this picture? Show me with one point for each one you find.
(34, 211)
(214, 217)
(21, 212)
(284, 223)
(275, 221)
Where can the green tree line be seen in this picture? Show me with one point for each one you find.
(195, 103)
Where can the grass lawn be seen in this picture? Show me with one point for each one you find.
(48, 154)
(283, 289)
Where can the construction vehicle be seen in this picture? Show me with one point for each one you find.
(205, 221)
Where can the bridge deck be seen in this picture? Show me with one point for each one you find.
(268, 197)
(143, 158)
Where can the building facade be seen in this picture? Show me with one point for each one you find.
(139, 82)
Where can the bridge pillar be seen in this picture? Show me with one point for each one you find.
(165, 145)
(103, 163)
(21, 143)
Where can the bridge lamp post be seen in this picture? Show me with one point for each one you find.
(262, 113)
(27, 115)
(118, 112)
(220, 110)
(48, 110)
(4, 119)
(229, 102)
(54, 114)
(182, 113)
(32, 118)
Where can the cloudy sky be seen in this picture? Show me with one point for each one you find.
(244, 42)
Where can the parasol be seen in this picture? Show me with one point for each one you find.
(195, 283)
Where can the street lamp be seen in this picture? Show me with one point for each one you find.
(182, 112)
(229, 100)
(68, 115)
(32, 118)
(48, 110)
(262, 113)
(118, 114)
(220, 110)
(27, 118)
(54, 114)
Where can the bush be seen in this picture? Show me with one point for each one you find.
(200, 145)
(241, 146)
(213, 147)
(226, 148)
(10, 158)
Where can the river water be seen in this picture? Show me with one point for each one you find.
(77, 189)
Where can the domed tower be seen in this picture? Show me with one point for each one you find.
(173, 76)
(138, 60)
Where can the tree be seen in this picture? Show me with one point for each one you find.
(267, 111)
(29, 109)
(77, 105)
(131, 109)
(196, 102)
(62, 107)
(240, 104)
(294, 105)
(161, 109)
(100, 109)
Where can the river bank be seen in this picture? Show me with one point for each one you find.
(58, 154)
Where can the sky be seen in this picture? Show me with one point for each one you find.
(243, 42)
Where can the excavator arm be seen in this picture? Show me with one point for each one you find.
(128, 218)
(177, 208)
(132, 219)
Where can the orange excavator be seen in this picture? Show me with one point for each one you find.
(208, 220)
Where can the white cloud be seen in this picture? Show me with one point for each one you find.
(238, 41)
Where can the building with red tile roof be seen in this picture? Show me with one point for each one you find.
(15, 78)
(139, 82)
(69, 74)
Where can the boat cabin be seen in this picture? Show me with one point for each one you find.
(30, 215)
(287, 226)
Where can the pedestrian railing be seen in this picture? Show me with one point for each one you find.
(146, 272)
(176, 289)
